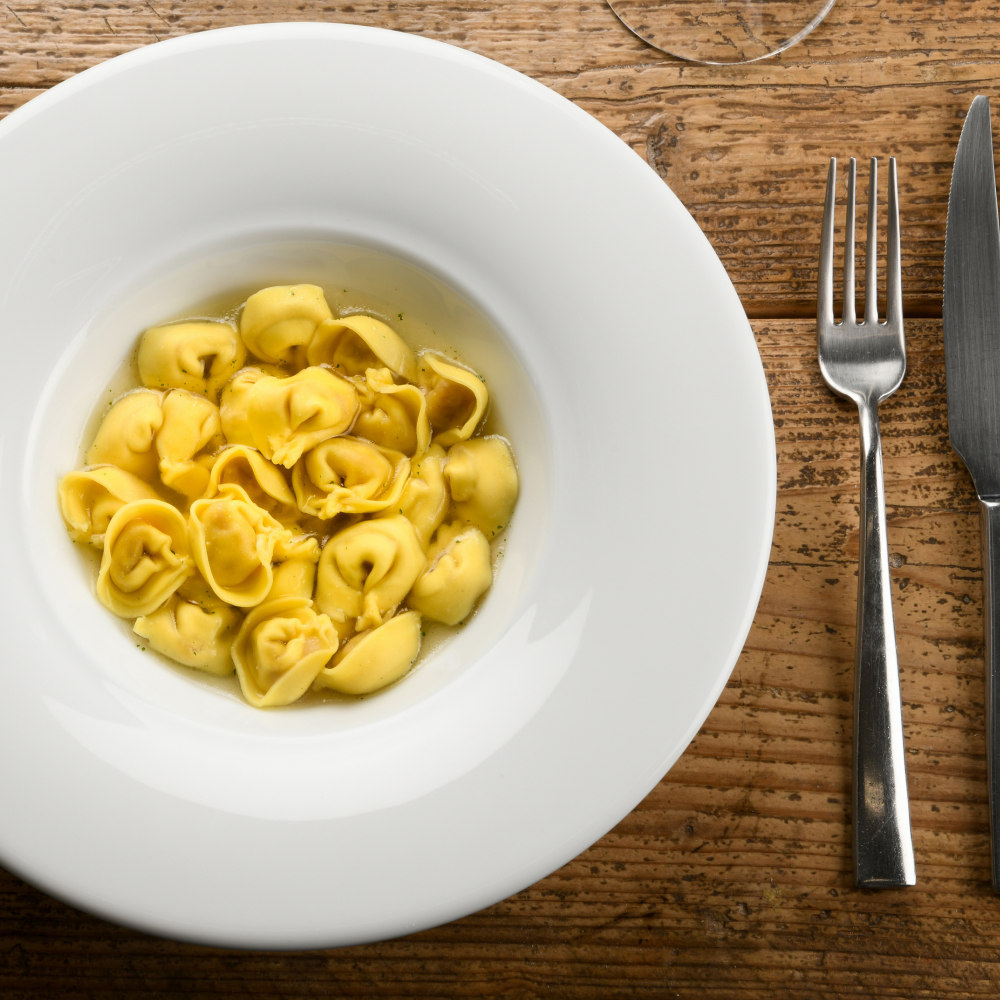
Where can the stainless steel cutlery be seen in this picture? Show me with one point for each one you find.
(972, 359)
(864, 361)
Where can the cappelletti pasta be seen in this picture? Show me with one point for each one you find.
(291, 496)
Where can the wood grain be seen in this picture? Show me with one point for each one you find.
(732, 879)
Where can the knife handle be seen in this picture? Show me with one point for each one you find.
(883, 848)
(990, 509)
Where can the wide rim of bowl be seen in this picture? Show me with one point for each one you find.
(587, 751)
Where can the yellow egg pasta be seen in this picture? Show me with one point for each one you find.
(145, 558)
(126, 437)
(280, 649)
(277, 324)
(287, 416)
(424, 501)
(456, 399)
(392, 415)
(458, 573)
(234, 401)
(346, 475)
(233, 542)
(89, 498)
(366, 570)
(189, 436)
(199, 356)
(295, 577)
(353, 344)
(483, 483)
(262, 481)
(194, 634)
(375, 658)
(289, 496)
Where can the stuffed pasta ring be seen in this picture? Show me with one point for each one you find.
(277, 323)
(483, 482)
(456, 399)
(145, 559)
(288, 416)
(392, 415)
(244, 466)
(198, 355)
(190, 433)
(374, 659)
(194, 634)
(353, 344)
(346, 475)
(280, 649)
(89, 498)
(366, 570)
(459, 572)
(126, 436)
(233, 542)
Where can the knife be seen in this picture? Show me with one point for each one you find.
(972, 361)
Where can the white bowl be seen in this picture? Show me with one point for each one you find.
(625, 374)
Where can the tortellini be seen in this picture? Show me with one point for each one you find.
(199, 356)
(347, 475)
(126, 437)
(190, 433)
(425, 499)
(460, 571)
(374, 658)
(235, 399)
(291, 497)
(281, 647)
(146, 557)
(233, 542)
(244, 466)
(353, 344)
(366, 570)
(277, 324)
(295, 577)
(392, 415)
(456, 400)
(483, 483)
(287, 416)
(89, 498)
(196, 634)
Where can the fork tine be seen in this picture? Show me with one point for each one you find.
(852, 175)
(824, 296)
(893, 276)
(871, 252)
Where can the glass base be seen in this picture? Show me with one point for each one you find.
(721, 31)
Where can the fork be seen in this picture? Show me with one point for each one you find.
(865, 362)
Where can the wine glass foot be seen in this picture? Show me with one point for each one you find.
(717, 32)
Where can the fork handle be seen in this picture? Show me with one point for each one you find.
(990, 516)
(883, 848)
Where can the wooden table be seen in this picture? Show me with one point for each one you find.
(733, 878)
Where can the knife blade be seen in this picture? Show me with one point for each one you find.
(972, 362)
